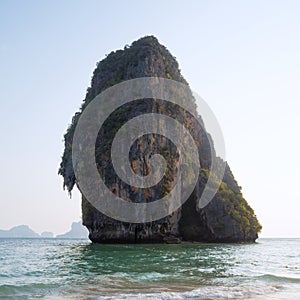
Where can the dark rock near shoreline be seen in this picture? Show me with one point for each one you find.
(227, 218)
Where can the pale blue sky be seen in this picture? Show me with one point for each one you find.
(242, 57)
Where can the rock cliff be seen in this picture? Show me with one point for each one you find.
(227, 218)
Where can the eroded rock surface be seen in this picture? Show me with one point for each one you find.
(227, 218)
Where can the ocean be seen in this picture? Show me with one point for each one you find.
(76, 269)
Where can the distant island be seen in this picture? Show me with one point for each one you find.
(47, 234)
(21, 231)
(78, 231)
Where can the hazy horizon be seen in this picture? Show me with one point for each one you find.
(242, 58)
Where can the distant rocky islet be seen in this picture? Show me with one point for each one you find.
(24, 231)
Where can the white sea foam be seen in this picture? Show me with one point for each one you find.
(217, 292)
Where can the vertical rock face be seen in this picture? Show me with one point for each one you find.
(227, 218)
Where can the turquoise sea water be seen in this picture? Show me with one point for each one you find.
(76, 269)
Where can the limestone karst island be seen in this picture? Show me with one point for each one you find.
(227, 218)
